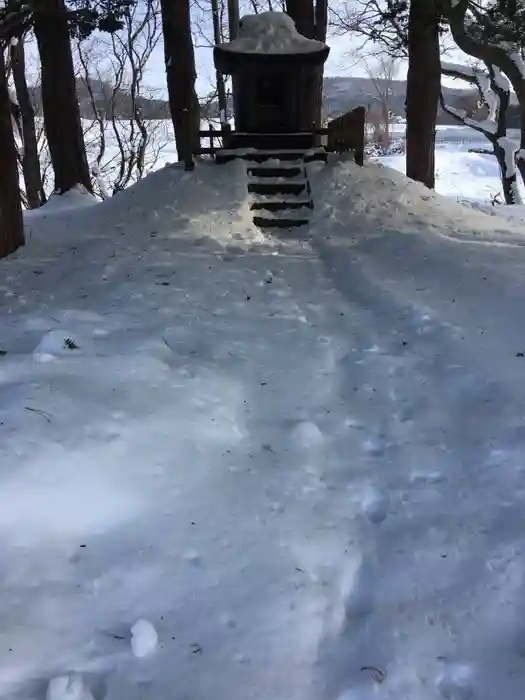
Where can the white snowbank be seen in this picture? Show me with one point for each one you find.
(271, 32)
(472, 179)
(75, 198)
(174, 208)
(515, 213)
(378, 196)
(305, 471)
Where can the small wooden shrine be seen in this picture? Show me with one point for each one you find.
(273, 70)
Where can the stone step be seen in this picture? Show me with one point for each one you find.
(260, 156)
(262, 222)
(291, 187)
(279, 205)
(275, 171)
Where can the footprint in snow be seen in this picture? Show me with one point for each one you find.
(374, 506)
(355, 598)
(456, 682)
(375, 446)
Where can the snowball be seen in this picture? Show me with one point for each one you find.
(193, 557)
(307, 434)
(144, 639)
(69, 687)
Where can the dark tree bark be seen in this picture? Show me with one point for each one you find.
(30, 161)
(423, 90)
(233, 18)
(311, 21)
(181, 74)
(11, 221)
(508, 182)
(302, 12)
(59, 101)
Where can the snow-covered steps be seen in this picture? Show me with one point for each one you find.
(272, 204)
(280, 192)
(278, 186)
(283, 218)
(275, 169)
(260, 155)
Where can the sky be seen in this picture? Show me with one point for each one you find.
(342, 62)
(339, 63)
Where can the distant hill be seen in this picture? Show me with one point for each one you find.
(150, 107)
(343, 93)
(340, 95)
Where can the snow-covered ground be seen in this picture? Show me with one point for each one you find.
(470, 178)
(285, 468)
(460, 174)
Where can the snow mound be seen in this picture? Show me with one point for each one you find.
(56, 342)
(75, 198)
(381, 197)
(209, 204)
(271, 32)
(514, 213)
(144, 639)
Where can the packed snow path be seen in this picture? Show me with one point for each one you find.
(303, 470)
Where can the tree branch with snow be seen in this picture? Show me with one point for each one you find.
(484, 35)
(494, 92)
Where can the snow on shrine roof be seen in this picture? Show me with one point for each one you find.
(273, 33)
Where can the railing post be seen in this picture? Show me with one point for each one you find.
(226, 130)
(359, 152)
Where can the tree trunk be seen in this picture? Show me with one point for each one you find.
(59, 101)
(221, 88)
(181, 74)
(233, 19)
(11, 221)
(30, 161)
(423, 90)
(311, 21)
(509, 182)
(302, 13)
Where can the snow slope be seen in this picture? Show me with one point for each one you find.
(296, 463)
(381, 197)
(465, 176)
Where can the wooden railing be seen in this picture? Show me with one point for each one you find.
(344, 134)
(217, 139)
(347, 133)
